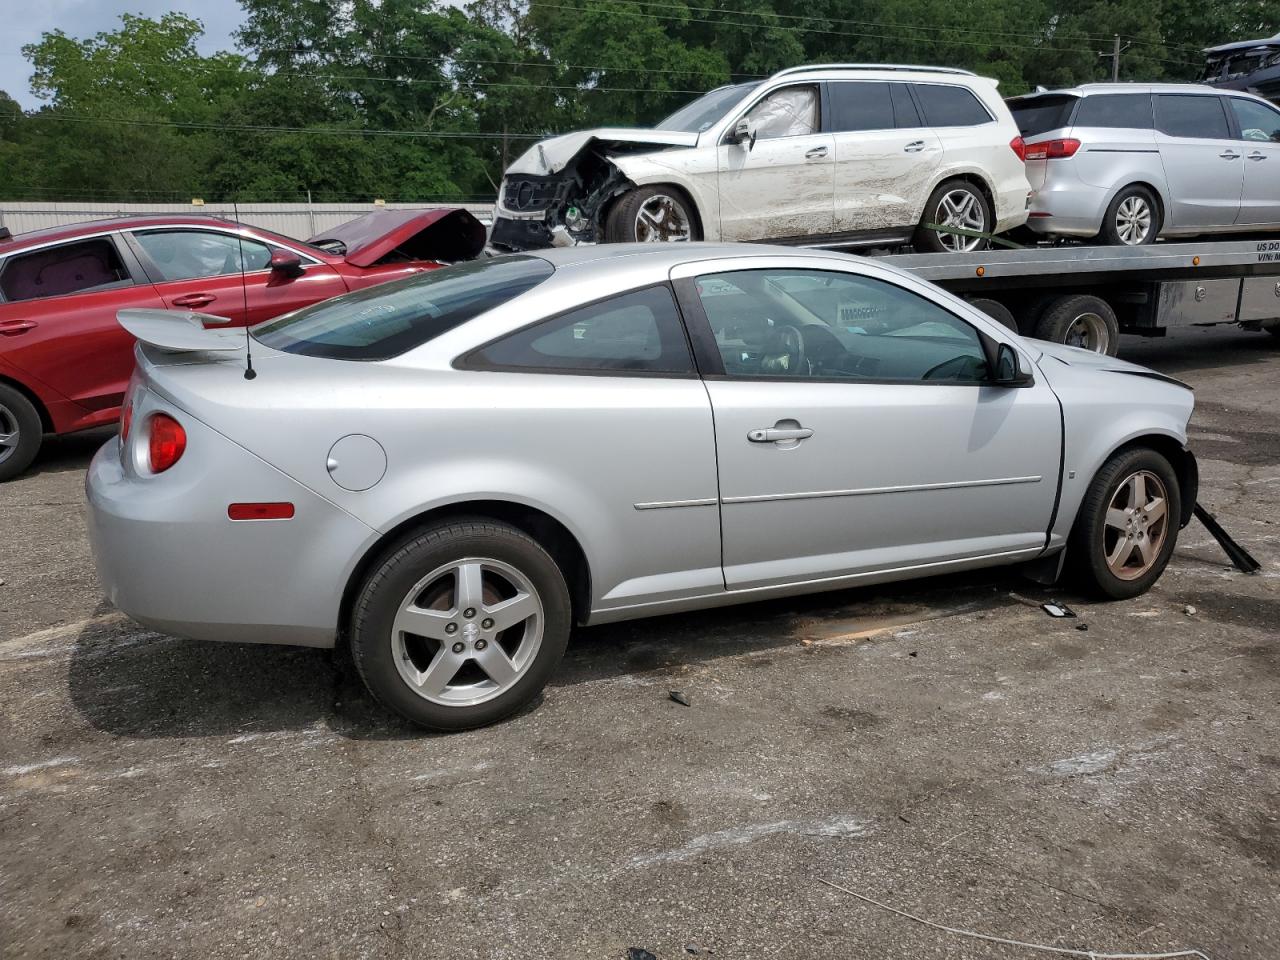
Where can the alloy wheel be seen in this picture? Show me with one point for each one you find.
(1089, 332)
(661, 219)
(963, 209)
(10, 433)
(1133, 220)
(467, 632)
(1136, 525)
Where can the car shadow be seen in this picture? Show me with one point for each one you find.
(1191, 349)
(72, 451)
(133, 683)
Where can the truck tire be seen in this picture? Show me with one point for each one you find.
(652, 215)
(997, 311)
(1127, 526)
(21, 432)
(1080, 320)
(461, 624)
(1132, 218)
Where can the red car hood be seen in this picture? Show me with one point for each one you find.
(395, 236)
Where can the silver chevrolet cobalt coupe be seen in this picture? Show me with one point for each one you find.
(448, 471)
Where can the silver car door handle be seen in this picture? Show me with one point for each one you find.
(776, 434)
(1229, 155)
(915, 146)
(817, 153)
(1257, 156)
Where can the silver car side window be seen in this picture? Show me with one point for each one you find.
(817, 324)
(639, 332)
(789, 112)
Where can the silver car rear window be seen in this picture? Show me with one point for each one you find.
(384, 321)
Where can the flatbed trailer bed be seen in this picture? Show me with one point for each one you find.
(1088, 295)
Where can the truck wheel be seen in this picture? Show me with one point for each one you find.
(1127, 526)
(461, 625)
(997, 311)
(21, 432)
(1132, 218)
(956, 203)
(651, 215)
(1080, 320)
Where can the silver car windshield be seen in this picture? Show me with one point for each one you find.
(707, 109)
(385, 321)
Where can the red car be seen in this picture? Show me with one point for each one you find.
(64, 360)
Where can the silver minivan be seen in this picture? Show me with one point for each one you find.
(1128, 163)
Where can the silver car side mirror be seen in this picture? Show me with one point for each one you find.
(1010, 371)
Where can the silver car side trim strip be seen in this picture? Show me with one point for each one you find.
(869, 491)
(667, 504)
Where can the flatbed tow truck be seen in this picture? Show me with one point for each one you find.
(1086, 296)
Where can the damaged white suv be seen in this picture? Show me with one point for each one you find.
(820, 155)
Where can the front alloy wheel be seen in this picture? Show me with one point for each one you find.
(657, 214)
(460, 624)
(1136, 525)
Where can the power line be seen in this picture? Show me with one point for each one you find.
(249, 128)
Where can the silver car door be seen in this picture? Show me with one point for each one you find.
(779, 183)
(1259, 128)
(854, 433)
(885, 156)
(1203, 166)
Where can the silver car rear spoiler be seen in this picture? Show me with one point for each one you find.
(179, 331)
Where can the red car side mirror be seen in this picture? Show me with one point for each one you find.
(286, 263)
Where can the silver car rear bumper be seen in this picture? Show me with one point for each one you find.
(168, 556)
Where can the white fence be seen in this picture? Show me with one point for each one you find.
(298, 220)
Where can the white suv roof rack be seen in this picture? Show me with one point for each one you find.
(873, 66)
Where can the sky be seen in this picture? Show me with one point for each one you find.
(25, 20)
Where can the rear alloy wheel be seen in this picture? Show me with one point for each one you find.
(1128, 524)
(955, 204)
(1080, 320)
(1132, 219)
(651, 215)
(461, 625)
(21, 432)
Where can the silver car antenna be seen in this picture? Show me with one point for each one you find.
(249, 372)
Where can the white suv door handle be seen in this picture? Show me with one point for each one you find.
(915, 146)
(778, 434)
(1229, 155)
(1257, 156)
(817, 153)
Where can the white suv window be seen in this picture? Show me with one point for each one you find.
(950, 106)
(789, 112)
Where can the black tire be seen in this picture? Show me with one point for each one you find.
(18, 416)
(620, 223)
(1112, 233)
(997, 311)
(1087, 549)
(1080, 320)
(391, 581)
(930, 241)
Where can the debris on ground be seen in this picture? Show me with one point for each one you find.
(639, 953)
(1082, 626)
(678, 697)
(1055, 609)
(1189, 610)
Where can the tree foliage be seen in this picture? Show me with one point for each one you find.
(415, 99)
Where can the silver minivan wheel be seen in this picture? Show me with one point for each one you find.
(1133, 221)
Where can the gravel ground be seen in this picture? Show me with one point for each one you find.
(942, 747)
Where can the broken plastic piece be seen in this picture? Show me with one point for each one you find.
(679, 698)
(1241, 557)
(1055, 609)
